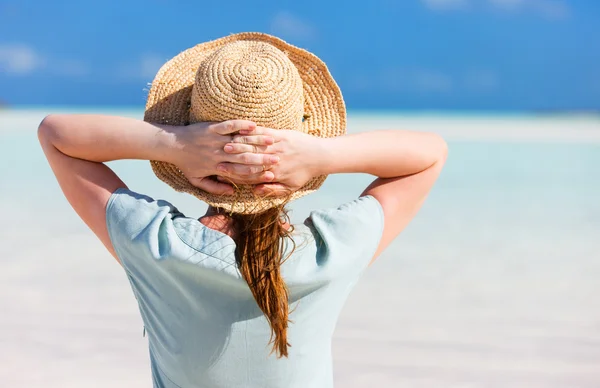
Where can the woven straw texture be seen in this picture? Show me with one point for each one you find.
(250, 76)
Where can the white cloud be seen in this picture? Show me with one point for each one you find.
(507, 4)
(19, 59)
(70, 68)
(145, 67)
(150, 64)
(286, 25)
(443, 5)
(549, 9)
(426, 81)
(414, 80)
(432, 81)
(481, 80)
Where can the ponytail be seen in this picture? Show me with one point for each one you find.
(259, 255)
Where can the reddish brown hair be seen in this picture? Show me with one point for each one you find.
(260, 248)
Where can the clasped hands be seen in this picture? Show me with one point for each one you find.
(240, 152)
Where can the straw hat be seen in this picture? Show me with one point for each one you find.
(250, 76)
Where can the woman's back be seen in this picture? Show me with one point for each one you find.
(260, 310)
(203, 324)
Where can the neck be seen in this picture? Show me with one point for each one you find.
(217, 220)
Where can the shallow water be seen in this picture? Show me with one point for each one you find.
(494, 284)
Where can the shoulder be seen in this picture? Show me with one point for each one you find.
(348, 234)
(143, 229)
(124, 202)
(363, 209)
(137, 219)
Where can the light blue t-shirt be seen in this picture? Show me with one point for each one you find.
(204, 327)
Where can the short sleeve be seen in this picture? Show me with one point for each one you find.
(348, 236)
(140, 228)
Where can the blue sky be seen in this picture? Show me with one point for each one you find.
(509, 55)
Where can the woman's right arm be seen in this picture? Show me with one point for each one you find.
(406, 163)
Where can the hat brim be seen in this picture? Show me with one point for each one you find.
(169, 102)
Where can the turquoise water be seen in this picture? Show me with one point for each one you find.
(494, 284)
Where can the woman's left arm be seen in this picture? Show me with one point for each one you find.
(77, 146)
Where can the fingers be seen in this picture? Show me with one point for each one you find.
(245, 128)
(272, 190)
(253, 139)
(240, 170)
(212, 186)
(239, 148)
(264, 160)
(232, 126)
(255, 179)
(259, 131)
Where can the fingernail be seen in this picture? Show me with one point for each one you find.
(221, 168)
(228, 148)
(269, 140)
(274, 159)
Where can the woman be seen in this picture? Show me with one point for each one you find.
(247, 123)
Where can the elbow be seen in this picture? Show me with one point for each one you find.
(45, 128)
(441, 148)
(49, 127)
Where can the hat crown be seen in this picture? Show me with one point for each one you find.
(249, 80)
(212, 81)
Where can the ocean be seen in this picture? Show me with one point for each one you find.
(494, 284)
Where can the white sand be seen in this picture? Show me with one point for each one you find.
(495, 284)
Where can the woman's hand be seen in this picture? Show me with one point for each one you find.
(301, 158)
(199, 149)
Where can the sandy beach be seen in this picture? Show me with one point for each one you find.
(494, 285)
